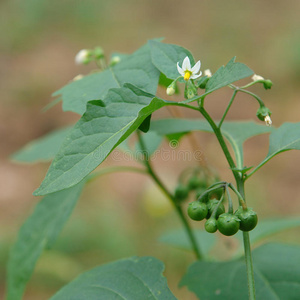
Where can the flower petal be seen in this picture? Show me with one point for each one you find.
(194, 76)
(180, 71)
(186, 65)
(196, 67)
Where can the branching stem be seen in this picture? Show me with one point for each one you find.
(240, 188)
(172, 199)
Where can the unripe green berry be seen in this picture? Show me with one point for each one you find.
(228, 224)
(181, 192)
(211, 225)
(211, 205)
(248, 218)
(197, 210)
(195, 182)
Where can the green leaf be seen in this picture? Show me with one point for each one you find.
(175, 126)
(224, 76)
(284, 138)
(136, 69)
(280, 266)
(276, 273)
(164, 81)
(103, 127)
(232, 72)
(166, 56)
(133, 278)
(38, 233)
(238, 132)
(145, 124)
(42, 149)
(235, 132)
(152, 141)
(178, 238)
(175, 137)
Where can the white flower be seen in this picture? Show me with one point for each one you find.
(187, 72)
(82, 57)
(268, 120)
(207, 73)
(257, 77)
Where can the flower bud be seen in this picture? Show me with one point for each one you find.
(257, 78)
(98, 53)
(267, 84)
(268, 120)
(190, 90)
(171, 89)
(263, 113)
(115, 60)
(83, 57)
(191, 93)
(207, 73)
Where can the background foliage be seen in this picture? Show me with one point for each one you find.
(37, 52)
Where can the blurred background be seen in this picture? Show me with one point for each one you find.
(121, 215)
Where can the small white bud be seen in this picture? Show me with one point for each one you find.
(115, 60)
(257, 77)
(207, 73)
(170, 90)
(268, 120)
(82, 57)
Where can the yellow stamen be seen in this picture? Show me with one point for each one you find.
(187, 75)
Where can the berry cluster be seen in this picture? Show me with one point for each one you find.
(193, 180)
(228, 223)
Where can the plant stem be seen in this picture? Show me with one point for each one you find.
(230, 205)
(247, 249)
(228, 107)
(249, 265)
(209, 191)
(261, 103)
(214, 213)
(240, 187)
(187, 227)
(222, 143)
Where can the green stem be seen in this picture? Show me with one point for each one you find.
(247, 249)
(209, 191)
(214, 213)
(230, 206)
(240, 186)
(240, 197)
(217, 183)
(221, 140)
(261, 103)
(187, 227)
(228, 107)
(249, 84)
